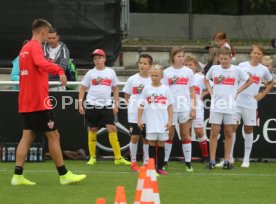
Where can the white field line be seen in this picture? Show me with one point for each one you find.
(171, 173)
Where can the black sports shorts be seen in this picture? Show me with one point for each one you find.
(39, 121)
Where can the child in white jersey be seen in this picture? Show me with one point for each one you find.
(225, 89)
(267, 61)
(247, 100)
(156, 103)
(180, 80)
(133, 90)
(198, 123)
(99, 108)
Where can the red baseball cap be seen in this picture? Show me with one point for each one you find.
(98, 52)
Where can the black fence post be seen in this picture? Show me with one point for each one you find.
(190, 13)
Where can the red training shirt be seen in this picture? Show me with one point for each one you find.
(34, 69)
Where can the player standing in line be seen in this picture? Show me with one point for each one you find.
(198, 123)
(99, 107)
(180, 80)
(156, 102)
(267, 61)
(226, 78)
(133, 90)
(247, 100)
(36, 113)
(221, 41)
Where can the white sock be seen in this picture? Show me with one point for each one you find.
(187, 151)
(146, 153)
(133, 151)
(233, 145)
(248, 143)
(168, 149)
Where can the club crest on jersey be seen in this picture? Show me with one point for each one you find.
(172, 80)
(101, 81)
(154, 98)
(256, 79)
(180, 80)
(138, 89)
(224, 80)
(51, 124)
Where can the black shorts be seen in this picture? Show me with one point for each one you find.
(39, 121)
(135, 130)
(98, 116)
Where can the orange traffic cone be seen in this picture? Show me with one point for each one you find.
(151, 169)
(147, 196)
(156, 192)
(140, 184)
(100, 201)
(120, 197)
(152, 173)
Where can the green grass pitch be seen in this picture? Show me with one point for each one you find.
(237, 186)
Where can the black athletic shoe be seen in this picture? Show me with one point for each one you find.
(189, 167)
(210, 166)
(227, 166)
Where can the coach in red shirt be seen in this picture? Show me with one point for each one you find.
(36, 114)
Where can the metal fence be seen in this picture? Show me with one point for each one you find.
(176, 26)
(199, 19)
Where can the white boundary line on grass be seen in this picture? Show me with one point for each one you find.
(173, 173)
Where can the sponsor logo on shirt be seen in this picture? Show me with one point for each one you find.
(138, 89)
(154, 98)
(24, 72)
(100, 81)
(197, 90)
(179, 80)
(224, 80)
(22, 54)
(256, 79)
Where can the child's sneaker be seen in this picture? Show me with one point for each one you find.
(134, 166)
(245, 165)
(18, 180)
(210, 166)
(220, 165)
(121, 161)
(189, 167)
(227, 166)
(92, 161)
(69, 178)
(161, 171)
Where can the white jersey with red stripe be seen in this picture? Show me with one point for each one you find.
(199, 87)
(258, 73)
(100, 83)
(180, 81)
(156, 101)
(134, 87)
(225, 87)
